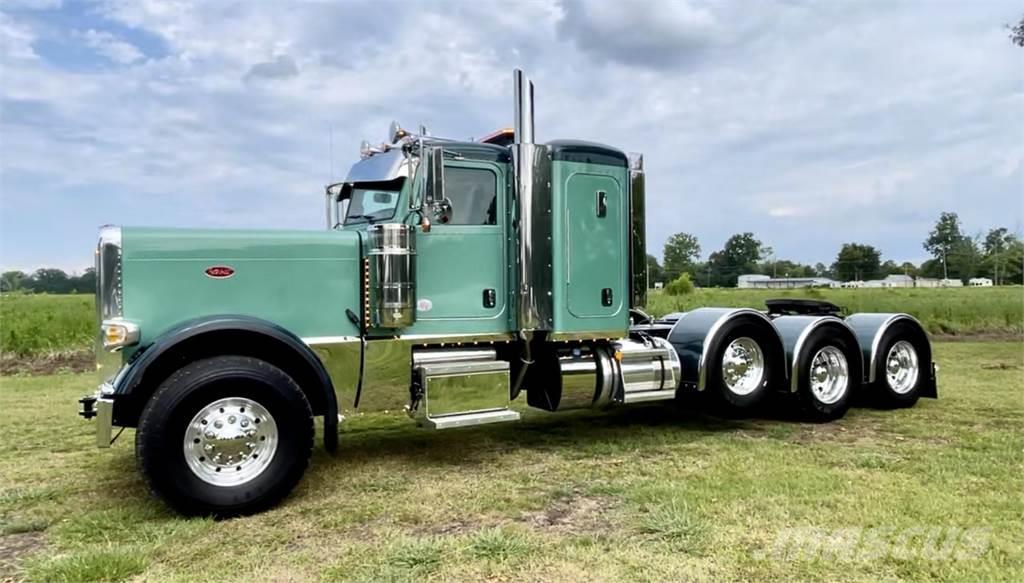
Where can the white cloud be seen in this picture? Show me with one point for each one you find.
(853, 121)
(111, 47)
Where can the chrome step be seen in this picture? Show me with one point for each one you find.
(646, 396)
(470, 419)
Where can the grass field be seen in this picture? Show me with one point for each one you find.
(32, 326)
(639, 494)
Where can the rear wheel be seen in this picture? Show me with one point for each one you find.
(828, 372)
(898, 368)
(225, 436)
(740, 368)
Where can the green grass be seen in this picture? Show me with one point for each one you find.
(960, 311)
(636, 494)
(40, 324)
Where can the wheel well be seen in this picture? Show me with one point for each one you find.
(914, 332)
(857, 367)
(218, 343)
(775, 351)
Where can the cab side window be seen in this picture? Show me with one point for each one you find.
(474, 195)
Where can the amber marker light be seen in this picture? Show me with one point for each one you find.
(119, 333)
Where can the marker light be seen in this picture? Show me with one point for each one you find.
(119, 333)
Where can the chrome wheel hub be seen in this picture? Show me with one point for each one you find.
(829, 375)
(901, 367)
(230, 441)
(742, 366)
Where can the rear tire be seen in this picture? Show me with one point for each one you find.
(225, 436)
(899, 371)
(741, 368)
(829, 373)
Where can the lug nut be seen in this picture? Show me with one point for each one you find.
(210, 435)
(245, 423)
(218, 424)
(231, 419)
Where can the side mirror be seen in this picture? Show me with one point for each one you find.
(433, 187)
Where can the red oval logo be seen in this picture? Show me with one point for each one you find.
(219, 271)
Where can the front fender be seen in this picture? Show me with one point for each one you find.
(252, 336)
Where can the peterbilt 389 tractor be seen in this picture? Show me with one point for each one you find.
(459, 282)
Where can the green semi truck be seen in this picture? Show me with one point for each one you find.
(460, 282)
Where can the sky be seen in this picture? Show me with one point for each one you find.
(810, 124)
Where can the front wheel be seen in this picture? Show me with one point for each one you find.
(225, 436)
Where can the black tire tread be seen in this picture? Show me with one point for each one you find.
(152, 421)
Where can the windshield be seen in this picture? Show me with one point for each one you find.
(372, 202)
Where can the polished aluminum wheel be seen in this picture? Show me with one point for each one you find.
(901, 367)
(829, 375)
(743, 366)
(230, 441)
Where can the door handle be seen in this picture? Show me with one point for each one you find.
(490, 298)
(602, 204)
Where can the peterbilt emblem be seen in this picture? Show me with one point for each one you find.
(219, 271)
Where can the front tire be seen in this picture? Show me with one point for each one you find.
(225, 436)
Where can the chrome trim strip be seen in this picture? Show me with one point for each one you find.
(713, 331)
(794, 368)
(109, 283)
(569, 336)
(316, 340)
(458, 338)
(878, 339)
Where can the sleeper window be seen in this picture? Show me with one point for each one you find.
(474, 195)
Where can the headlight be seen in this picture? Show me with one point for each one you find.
(119, 333)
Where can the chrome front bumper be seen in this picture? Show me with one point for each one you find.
(101, 408)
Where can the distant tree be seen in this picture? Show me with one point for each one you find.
(12, 280)
(739, 256)
(1012, 271)
(85, 283)
(821, 270)
(994, 249)
(910, 269)
(654, 270)
(890, 268)
(681, 252)
(857, 262)
(787, 268)
(1017, 33)
(51, 281)
(944, 239)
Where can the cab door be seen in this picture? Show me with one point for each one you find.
(461, 275)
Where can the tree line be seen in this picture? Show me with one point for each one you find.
(998, 255)
(48, 280)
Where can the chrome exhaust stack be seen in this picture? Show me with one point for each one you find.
(532, 166)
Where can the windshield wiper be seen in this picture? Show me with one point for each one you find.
(368, 218)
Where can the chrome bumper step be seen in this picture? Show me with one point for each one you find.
(470, 419)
